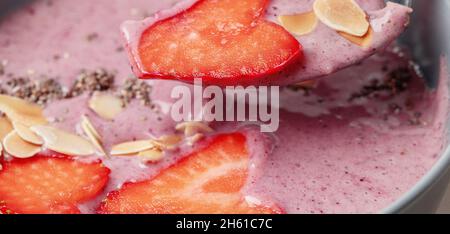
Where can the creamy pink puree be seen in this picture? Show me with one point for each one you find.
(330, 155)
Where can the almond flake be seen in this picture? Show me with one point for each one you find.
(86, 123)
(309, 84)
(22, 111)
(27, 135)
(192, 128)
(18, 148)
(95, 142)
(64, 142)
(363, 41)
(106, 105)
(132, 147)
(299, 24)
(5, 127)
(169, 141)
(152, 155)
(92, 134)
(194, 139)
(342, 15)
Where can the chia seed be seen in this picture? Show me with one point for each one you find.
(44, 90)
(98, 80)
(395, 82)
(2, 69)
(136, 89)
(416, 119)
(92, 37)
(40, 92)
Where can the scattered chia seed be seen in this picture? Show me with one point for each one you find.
(136, 89)
(394, 108)
(92, 37)
(395, 82)
(44, 91)
(98, 80)
(40, 92)
(416, 119)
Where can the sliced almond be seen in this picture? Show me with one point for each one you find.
(96, 143)
(342, 15)
(92, 134)
(18, 148)
(26, 134)
(22, 111)
(64, 142)
(5, 127)
(299, 24)
(195, 138)
(86, 123)
(309, 84)
(192, 128)
(132, 147)
(151, 155)
(363, 41)
(106, 105)
(169, 141)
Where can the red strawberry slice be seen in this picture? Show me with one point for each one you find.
(49, 185)
(220, 41)
(207, 181)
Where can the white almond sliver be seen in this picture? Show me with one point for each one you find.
(342, 15)
(151, 155)
(309, 84)
(86, 123)
(192, 128)
(96, 143)
(5, 127)
(22, 111)
(93, 137)
(18, 148)
(106, 105)
(64, 142)
(132, 147)
(194, 139)
(364, 41)
(169, 141)
(299, 24)
(26, 134)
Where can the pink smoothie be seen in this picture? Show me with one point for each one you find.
(355, 143)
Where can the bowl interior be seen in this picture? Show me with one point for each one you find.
(428, 38)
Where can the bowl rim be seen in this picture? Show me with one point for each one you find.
(434, 174)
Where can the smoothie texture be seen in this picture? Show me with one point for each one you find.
(353, 143)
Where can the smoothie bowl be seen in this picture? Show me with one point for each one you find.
(361, 118)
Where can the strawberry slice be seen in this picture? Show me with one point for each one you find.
(207, 181)
(222, 42)
(49, 185)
